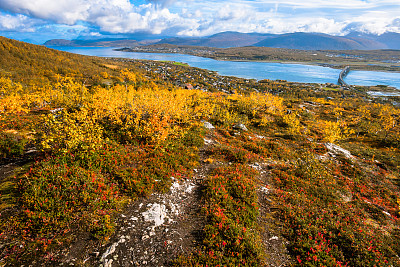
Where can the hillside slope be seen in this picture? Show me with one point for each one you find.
(114, 162)
(34, 64)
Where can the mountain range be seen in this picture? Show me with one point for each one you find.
(298, 40)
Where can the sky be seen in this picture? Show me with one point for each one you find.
(36, 21)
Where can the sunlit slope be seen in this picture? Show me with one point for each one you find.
(34, 64)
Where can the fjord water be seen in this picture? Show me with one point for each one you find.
(253, 70)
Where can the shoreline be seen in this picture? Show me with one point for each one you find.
(305, 63)
(338, 66)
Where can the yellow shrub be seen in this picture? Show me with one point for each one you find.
(333, 131)
(7, 87)
(293, 123)
(129, 76)
(71, 131)
(255, 103)
(265, 120)
(13, 104)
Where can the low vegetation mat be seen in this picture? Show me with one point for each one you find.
(91, 135)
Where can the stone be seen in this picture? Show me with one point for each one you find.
(339, 150)
(265, 190)
(241, 126)
(190, 188)
(207, 141)
(208, 125)
(156, 213)
(57, 110)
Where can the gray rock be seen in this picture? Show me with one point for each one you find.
(241, 126)
(337, 150)
(208, 125)
(57, 110)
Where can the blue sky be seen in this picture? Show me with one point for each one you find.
(39, 20)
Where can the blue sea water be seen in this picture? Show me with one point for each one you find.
(254, 70)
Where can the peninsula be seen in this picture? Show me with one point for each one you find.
(377, 60)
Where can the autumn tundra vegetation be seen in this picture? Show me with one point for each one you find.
(91, 135)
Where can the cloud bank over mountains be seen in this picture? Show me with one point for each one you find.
(74, 18)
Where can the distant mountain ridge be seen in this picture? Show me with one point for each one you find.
(318, 41)
(220, 40)
(298, 40)
(390, 39)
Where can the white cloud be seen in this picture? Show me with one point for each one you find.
(235, 12)
(162, 3)
(318, 4)
(142, 18)
(245, 18)
(60, 11)
(17, 23)
(322, 25)
(196, 18)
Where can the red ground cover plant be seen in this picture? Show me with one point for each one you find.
(328, 219)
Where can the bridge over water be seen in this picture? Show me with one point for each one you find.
(343, 75)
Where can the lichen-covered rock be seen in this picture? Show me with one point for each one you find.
(241, 126)
(208, 125)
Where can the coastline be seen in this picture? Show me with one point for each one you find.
(180, 57)
(368, 66)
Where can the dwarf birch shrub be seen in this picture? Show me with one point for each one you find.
(334, 131)
(70, 131)
(293, 123)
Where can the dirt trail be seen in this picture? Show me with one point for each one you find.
(274, 244)
(152, 231)
(156, 230)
